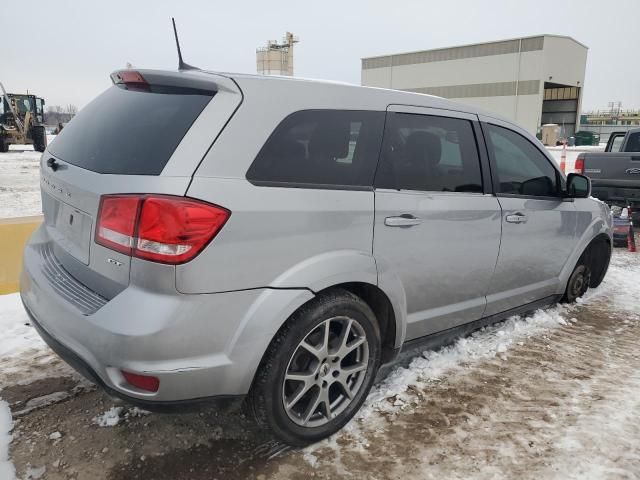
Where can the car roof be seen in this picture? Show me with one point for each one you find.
(382, 96)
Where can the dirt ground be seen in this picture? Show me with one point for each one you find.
(562, 404)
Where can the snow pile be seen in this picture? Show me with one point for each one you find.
(431, 365)
(7, 471)
(18, 336)
(110, 418)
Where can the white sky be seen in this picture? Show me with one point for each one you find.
(64, 50)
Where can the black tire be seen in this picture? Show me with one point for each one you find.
(4, 148)
(267, 397)
(578, 283)
(39, 139)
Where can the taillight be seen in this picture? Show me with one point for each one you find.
(160, 228)
(117, 221)
(579, 165)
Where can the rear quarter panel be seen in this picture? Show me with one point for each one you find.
(282, 238)
(276, 236)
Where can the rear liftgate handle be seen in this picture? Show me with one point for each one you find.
(516, 218)
(404, 220)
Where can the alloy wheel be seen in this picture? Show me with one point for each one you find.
(326, 372)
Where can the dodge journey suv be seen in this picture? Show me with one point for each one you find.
(217, 235)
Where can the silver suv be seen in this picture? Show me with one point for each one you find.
(211, 235)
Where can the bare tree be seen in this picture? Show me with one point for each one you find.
(72, 109)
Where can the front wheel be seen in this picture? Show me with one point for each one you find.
(318, 369)
(578, 283)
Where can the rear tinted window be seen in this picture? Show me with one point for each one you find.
(321, 148)
(129, 132)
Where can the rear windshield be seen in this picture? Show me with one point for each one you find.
(129, 132)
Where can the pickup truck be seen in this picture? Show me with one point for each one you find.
(624, 141)
(615, 173)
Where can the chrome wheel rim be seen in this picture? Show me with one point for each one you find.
(325, 372)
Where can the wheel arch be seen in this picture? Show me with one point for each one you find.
(596, 232)
(381, 306)
(597, 255)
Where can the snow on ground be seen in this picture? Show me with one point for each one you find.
(20, 183)
(7, 472)
(18, 334)
(24, 357)
(110, 418)
(572, 153)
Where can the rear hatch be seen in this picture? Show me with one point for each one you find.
(146, 134)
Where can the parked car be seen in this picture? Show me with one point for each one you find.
(586, 138)
(214, 235)
(615, 176)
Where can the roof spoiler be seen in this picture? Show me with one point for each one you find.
(143, 79)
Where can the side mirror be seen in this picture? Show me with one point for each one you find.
(578, 186)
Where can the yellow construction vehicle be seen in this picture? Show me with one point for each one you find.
(21, 120)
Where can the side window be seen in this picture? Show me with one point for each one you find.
(429, 153)
(633, 145)
(522, 169)
(321, 147)
(616, 146)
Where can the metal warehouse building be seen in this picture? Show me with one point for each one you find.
(532, 80)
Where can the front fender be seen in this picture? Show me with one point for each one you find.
(590, 225)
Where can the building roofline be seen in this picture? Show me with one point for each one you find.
(478, 43)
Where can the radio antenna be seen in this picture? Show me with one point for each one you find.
(181, 64)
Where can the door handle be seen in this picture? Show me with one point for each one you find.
(516, 218)
(402, 221)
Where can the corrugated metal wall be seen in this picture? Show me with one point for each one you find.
(498, 89)
(455, 53)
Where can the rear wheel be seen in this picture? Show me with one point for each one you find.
(4, 147)
(318, 369)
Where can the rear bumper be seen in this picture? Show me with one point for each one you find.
(199, 346)
(86, 371)
(615, 194)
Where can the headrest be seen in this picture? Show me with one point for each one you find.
(423, 146)
(331, 140)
